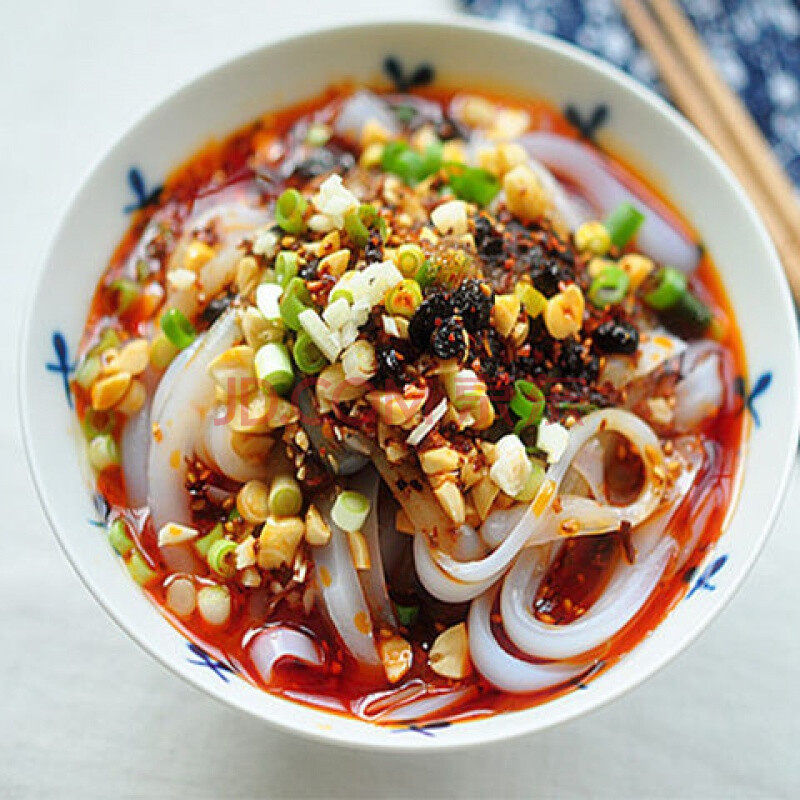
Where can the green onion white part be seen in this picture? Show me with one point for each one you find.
(350, 511)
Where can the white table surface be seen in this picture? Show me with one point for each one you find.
(84, 713)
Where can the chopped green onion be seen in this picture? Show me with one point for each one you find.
(473, 184)
(214, 604)
(234, 514)
(407, 615)
(217, 557)
(307, 355)
(350, 511)
(356, 229)
(404, 299)
(532, 484)
(357, 223)
(531, 298)
(140, 570)
(383, 229)
(97, 423)
(143, 269)
(409, 258)
(203, 544)
(368, 214)
(623, 223)
(609, 287)
(528, 404)
(127, 291)
(118, 537)
(318, 134)
(322, 336)
(88, 372)
(289, 210)
(464, 388)
(285, 496)
(108, 339)
(399, 159)
(177, 328)
(274, 367)
(285, 267)
(162, 352)
(432, 159)
(340, 292)
(690, 317)
(360, 222)
(103, 452)
(670, 289)
(295, 300)
(426, 274)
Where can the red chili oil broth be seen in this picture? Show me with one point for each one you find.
(226, 166)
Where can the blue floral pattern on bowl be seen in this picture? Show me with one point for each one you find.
(62, 365)
(201, 658)
(703, 581)
(143, 196)
(761, 385)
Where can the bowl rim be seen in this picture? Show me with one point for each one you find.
(553, 46)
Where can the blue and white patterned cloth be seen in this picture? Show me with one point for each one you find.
(754, 43)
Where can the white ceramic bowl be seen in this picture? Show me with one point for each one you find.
(472, 55)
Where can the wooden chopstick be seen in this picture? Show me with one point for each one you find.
(773, 198)
(727, 104)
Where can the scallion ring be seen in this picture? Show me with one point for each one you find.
(426, 274)
(399, 159)
(404, 299)
(340, 292)
(203, 544)
(690, 317)
(356, 229)
(670, 289)
(118, 537)
(472, 184)
(531, 298)
(350, 511)
(103, 452)
(357, 223)
(140, 570)
(286, 267)
(127, 292)
(609, 287)
(409, 259)
(294, 301)
(623, 223)
(108, 339)
(307, 355)
(177, 328)
(528, 404)
(285, 496)
(274, 367)
(289, 210)
(217, 557)
(97, 423)
(88, 371)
